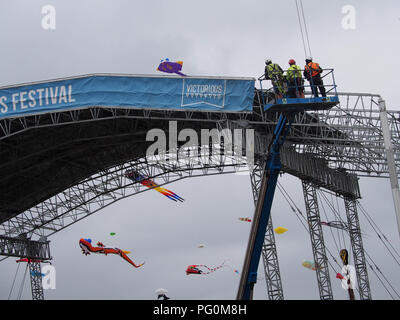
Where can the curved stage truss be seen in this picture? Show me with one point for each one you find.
(61, 166)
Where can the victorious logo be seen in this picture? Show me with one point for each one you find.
(203, 91)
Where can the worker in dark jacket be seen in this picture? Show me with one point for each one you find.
(274, 73)
(312, 72)
(295, 80)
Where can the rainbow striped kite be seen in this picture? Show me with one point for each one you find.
(137, 177)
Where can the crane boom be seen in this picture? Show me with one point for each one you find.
(262, 211)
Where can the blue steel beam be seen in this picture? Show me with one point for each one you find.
(263, 209)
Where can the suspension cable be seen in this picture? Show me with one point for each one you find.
(292, 204)
(22, 284)
(370, 266)
(379, 270)
(12, 287)
(301, 29)
(305, 27)
(376, 267)
(335, 212)
(330, 229)
(338, 211)
(376, 229)
(283, 191)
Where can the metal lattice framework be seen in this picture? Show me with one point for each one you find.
(35, 271)
(110, 185)
(347, 137)
(269, 252)
(357, 248)
(22, 247)
(317, 241)
(302, 166)
(355, 140)
(107, 187)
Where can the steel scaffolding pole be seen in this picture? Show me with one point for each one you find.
(358, 249)
(34, 252)
(269, 252)
(36, 280)
(263, 208)
(387, 138)
(317, 241)
(23, 247)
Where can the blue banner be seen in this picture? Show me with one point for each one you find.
(141, 92)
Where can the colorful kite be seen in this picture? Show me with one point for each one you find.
(201, 245)
(311, 265)
(137, 177)
(245, 219)
(112, 233)
(280, 230)
(201, 269)
(171, 67)
(87, 248)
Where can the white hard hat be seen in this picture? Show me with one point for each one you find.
(309, 58)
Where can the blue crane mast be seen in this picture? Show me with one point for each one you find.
(288, 108)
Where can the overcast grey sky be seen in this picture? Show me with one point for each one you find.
(213, 38)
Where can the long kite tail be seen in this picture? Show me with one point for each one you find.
(132, 263)
(170, 194)
(124, 256)
(210, 270)
(138, 266)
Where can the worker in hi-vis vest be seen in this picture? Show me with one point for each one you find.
(312, 72)
(274, 73)
(294, 80)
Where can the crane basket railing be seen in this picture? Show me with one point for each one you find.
(289, 87)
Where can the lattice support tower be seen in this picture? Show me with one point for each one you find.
(36, 280)
(269, 252)
(348, 136)
(357, 247)
(317, 241)
(390, 156)
(34, 251)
